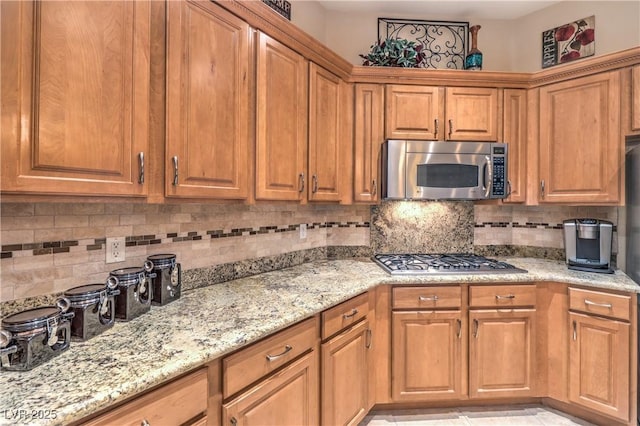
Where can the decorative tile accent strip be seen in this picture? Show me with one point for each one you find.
(530, 225)
(50, 247)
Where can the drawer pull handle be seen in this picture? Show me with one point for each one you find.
(287, 348)
(600, 305)
(433, 298)
(459, 331)
(369, 339)
(508, 296)
(575, 331)
(353, 313)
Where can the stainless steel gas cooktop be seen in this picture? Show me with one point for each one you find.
(442, 264)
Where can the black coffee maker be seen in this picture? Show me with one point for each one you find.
(587, 244)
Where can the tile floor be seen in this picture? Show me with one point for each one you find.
(525, 415)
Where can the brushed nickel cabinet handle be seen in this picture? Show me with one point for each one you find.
(314, 187)
(287, 348)
(175, 170)
(575, 331)
(301, 180)
(435, 128)
(374, 186)
(353, 313)
(600, 305)
(141, 164)
(542, 187)
(476, 328)
(369, 339)
(508, 296)
(145, 422)
(450, 128)
(508, 188)
(433, 298)
(233, 421)
(459, 330)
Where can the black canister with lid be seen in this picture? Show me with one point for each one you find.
(136, 292)
(167, 282)
(94, 309)
(30, 338)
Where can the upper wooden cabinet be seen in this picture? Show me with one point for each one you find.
(635, 98)
(367, 140)
(471, 114)
(281, 120)
(580, 146)
(436, 113)
(208, 81)
(75, 97)
(515, 136)
(325, 136)
(414, 112)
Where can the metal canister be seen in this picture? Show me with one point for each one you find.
(136, 292)
(94, 309)
(167, 282)
(30, 338)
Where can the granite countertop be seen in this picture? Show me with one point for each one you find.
(207, 323)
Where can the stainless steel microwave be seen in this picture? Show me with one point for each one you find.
(426, 170)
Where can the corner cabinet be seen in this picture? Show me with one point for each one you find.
(281, 122)
(580, 144)
(208, 82)
(75, 97)
(368, 138)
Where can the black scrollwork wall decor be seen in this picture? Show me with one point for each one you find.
(444, 42)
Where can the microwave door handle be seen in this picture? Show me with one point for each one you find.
(489, 172)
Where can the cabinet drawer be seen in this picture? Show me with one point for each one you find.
(502, 295)
(176, 403)
(251, 364)
(426, 297)
(344, 314)
(600, 303)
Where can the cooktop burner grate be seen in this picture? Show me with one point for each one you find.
(442, 264)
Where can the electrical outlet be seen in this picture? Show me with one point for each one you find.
(303, 231)
(115, 249)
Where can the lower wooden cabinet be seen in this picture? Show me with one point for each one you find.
(502, 353)
(599, 369)
(289, 397)
(345, 376)
(181, 402)
(427, 356)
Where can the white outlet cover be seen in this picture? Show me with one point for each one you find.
(303, 231)
(115, 249)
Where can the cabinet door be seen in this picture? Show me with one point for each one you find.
(75, 97)
(635, 98)
(580, 144)
(599, 365)
(502, 353)
(515, 136)
(345, 376)
(427, 358)
(414, 112)
(208, 77)
(281, 120)
(324, 135)
(368, 138)
(471, 114)
(289, 397)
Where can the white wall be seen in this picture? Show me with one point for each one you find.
(507, 45)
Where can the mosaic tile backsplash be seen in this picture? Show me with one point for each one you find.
(50, 247)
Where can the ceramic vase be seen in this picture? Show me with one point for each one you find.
(473, 61)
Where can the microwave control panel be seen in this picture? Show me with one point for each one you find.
(499, 183)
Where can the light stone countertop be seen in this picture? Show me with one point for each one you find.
(207, 323)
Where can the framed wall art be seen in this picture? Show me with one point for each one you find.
(569, 42)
